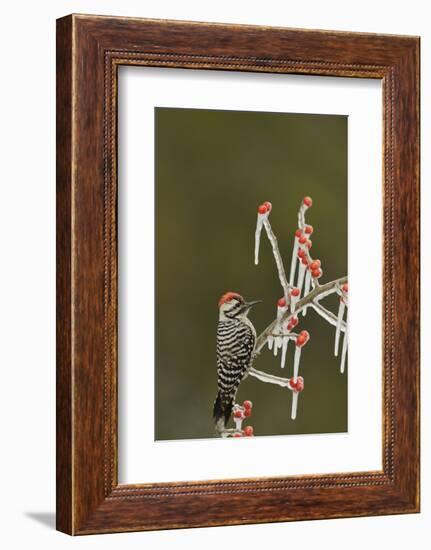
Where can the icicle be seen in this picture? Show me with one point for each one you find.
(338, 329)
(270, 342)
(259, 225)
(294, 261)
(284, 351)
(294, 404)
(296, 363)
(281, 310)
(344, 350)
(306, 289)
(307, 282)
(278, 343)
(295, 379)
(301, 273)
(238, 423)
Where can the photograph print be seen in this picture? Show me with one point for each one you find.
(251, 309)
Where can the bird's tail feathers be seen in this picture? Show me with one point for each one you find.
(222, 411)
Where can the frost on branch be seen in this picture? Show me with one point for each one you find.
(303, 290)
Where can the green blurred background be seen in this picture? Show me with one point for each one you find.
(213, 168)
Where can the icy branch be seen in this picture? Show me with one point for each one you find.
(327, 315)
(277, 257)
(270, 378)
(317, 293)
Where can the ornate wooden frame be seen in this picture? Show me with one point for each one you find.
(89, 51)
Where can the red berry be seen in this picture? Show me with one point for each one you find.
(315, 265)
(308, 202)
(237, 434)
(247, 404)
(295, 291)
(317, 273)
(345, 287)
(298, 233)
(294, 321)
(281, 302)
(299, 384)
(309, 229)
(248, 431)
(302, 338)
(247, 412)
(304, 260)
(302, 239)
(289, 326)
(262, 209)
(268, 206)
(309, 244)
(238, 414)
(292, 383)
(301, 253)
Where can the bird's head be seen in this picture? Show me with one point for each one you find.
(232, 305)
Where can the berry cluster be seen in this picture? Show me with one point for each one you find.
(239, 414)
(292, 323)
(303, 245)
(264, 208)
(297, 386)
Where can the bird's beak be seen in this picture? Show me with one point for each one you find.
(251, 304)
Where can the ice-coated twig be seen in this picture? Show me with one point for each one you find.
(278, 332)
(305, 205)
(344, 350)
(327, 315)
(263, 219)
(316, 293)
(301, 275)
(340, 316)
(296, 360)
(294, 261)
(294, 405)
(270, 378)
(284, 351)
(259, 225)
(278, 259)
(306, 289)
(294, 298)
(301, 340)
(239, 414)
(295, 379)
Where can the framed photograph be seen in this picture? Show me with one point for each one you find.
(237, 274)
